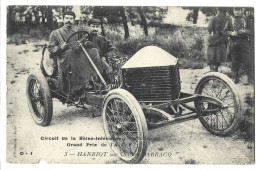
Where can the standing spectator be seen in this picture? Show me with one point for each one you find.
(216, 52)
(240, 50)
(250, 23)
(229, 14)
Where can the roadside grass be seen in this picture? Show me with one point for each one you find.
(189, 64)
(246, 129)
(189, 49)
(247, 126)
(23, 36)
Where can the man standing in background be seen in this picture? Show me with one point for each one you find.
(216, 52)
(240, 49)
(250, 22)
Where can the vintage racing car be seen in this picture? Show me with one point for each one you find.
(142, 93)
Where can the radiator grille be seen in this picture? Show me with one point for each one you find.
(152, 83)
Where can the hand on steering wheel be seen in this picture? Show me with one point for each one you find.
(65, 46)
(81, 38)
(88, 44)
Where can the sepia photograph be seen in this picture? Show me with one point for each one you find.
(93, 84)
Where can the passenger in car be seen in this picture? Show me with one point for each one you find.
(104, 46)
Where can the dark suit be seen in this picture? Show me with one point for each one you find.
(57, 38)
(217, 53)
(240, 48)
(104, 46)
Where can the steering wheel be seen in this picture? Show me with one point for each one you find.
(79, 34)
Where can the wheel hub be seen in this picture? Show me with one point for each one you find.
(119, 127)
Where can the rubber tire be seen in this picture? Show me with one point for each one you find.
(132, 103)
(238, 109)
(48, 106)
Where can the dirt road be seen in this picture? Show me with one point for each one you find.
(182, 143)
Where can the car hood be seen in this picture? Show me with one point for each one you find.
(150, 56)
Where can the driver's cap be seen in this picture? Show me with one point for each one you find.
(94, 21)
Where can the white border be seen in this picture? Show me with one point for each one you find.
(4, 165)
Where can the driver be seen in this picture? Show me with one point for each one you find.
(57, 46)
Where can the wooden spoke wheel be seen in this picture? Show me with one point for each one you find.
(39, 99)
(225, 121)
(125, 126)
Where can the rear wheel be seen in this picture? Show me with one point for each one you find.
(225, 121)
(39, 99)
(125, 126)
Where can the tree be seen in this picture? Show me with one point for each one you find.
(155, 15)
(146, 16)
(114, 15)
(208, 11)
(11, 28)
(124, 20)
(11, 12)
(193, 14)
(50, 17)
(143, 20)
(100, 12)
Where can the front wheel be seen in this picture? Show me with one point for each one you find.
(125, 126)
(39, 99)
(225, 121)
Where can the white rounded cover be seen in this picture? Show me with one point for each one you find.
(150, 56)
